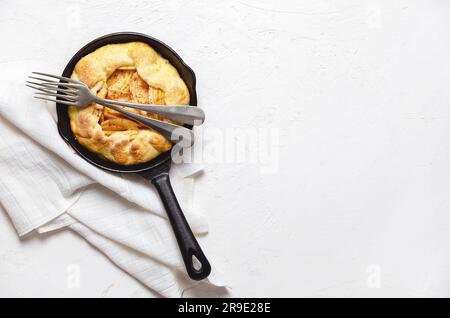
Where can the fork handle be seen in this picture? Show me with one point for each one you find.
(170, 131)
(190, 115)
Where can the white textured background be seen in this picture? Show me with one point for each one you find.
(360, 93)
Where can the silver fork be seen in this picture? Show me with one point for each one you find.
(78, 94)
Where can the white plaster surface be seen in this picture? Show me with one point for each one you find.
(360, 94)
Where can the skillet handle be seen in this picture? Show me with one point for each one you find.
(187, 243)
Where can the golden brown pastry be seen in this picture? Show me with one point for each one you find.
(129, 72)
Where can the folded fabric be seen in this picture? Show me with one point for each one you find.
(45, 186)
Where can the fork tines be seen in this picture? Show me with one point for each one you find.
(64, 90)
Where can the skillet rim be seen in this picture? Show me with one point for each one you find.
(186, 73)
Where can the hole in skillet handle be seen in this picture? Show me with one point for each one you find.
(196, 264)
(155, 170)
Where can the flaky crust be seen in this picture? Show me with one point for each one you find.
(131, 72)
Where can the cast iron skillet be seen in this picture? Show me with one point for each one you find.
(156, 170)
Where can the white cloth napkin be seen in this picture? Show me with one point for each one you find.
(45, 186)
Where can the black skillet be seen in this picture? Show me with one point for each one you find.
(156, 170)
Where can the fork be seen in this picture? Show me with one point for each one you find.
(68, 91)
